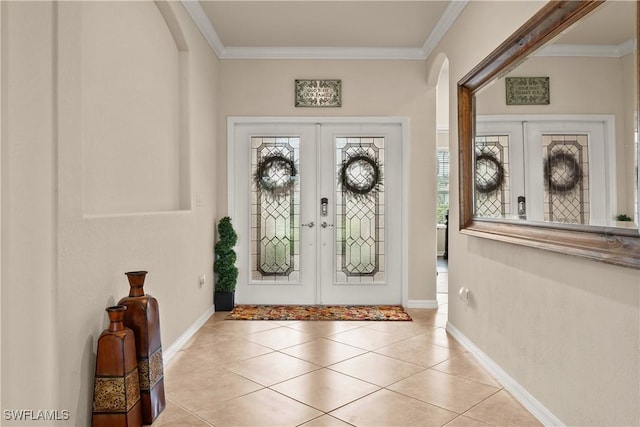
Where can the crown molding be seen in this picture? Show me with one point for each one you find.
(597, 51)
(199, 17)
(194, 9)
(445, 22)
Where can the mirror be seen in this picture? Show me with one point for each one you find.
(548, 135)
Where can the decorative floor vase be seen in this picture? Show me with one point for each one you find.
(116, 394)
(143, 317)
(224, 301)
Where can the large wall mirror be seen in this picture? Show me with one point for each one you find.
(548, 127)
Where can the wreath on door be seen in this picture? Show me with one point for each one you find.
(562, 172)
(494, 181)
(275, 175)
(361, 175)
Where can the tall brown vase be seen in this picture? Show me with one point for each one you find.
(116, 393)
(143, 317)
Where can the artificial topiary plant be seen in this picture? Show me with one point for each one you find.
(225, 261)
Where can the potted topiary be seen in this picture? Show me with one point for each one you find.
(224, 266)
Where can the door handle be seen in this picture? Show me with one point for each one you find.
(310, 224)
(325, 225)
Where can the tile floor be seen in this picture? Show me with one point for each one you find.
(273, 373)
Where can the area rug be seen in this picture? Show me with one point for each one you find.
(318, 312)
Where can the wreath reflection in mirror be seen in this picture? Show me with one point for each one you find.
(275, 175)
(562, 172)
(489, 173)
(361, 175)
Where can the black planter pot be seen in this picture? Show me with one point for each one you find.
(223, 301)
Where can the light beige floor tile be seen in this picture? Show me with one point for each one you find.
(326, 328)
(324, 389)
(186, 362)
(439, 336)
(502, 409)
(280, 338)
(323, 352)
(188, 421)
(243, 327)
(463, 421)
(326, 421)
(262, 408)
(365, 338)
(412, 351)
(465, 365)
(230, 351)
(171, 412)
(206, 387)
(377, 369)
(423, 316)
(400, 328)
(446, 391)
(386, 408)
(272, 368)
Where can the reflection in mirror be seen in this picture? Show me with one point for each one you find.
(555, 138)
(547, 126)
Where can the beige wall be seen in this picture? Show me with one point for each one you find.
(564, 328)
(69, 136)
(370, 88)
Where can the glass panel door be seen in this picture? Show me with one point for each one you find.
(363, 246)
(311, 214)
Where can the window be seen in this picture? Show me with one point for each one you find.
(442, 166)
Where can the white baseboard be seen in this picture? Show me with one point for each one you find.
(174, 348)
(422, 303)
(520, 393)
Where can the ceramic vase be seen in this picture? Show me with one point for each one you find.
(143, 317)
(116, 395)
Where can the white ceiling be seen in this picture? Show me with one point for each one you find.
(324, 29)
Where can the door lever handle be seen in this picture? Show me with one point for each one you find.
(325, 225)
(310, 224)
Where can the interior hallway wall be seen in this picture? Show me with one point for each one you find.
(69, 233)
(565, 328)
(369, 88)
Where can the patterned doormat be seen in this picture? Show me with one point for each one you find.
(318, 312)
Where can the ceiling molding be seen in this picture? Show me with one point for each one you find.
(445, 22)
(194, 9)
(597, 51)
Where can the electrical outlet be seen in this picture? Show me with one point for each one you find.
(463, 294)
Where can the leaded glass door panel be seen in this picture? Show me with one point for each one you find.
(571, 175)
(275, 184)
(361, 245)
(315, 226)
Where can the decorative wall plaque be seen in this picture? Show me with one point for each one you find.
(527, 90)
(318, 93)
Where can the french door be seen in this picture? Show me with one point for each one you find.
(318, 210)
(552, 169)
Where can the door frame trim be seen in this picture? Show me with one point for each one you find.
(233, 121)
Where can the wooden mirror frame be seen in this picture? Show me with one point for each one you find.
(617, 246)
